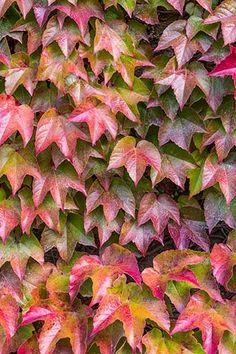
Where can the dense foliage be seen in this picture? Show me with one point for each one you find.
(117, 176)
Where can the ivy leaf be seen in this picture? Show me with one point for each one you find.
(175, 37)
(225, 13)
(55, 128)
(72, 233)
(159, 210)
(24, 6)
(116, 101)
(157, 342)
(223, 133)
(82, 12)
(21, 335)
(181, 265)
(182, 81)
(194, 230)
(223, 173)
(82, 156)
(132, 306)
(9, 315)
(213, 88)
(114, 261)
(47, 211)
(36, 276)
(44, 97)
(224, 140)
(108, 339)
(105, 229)
(216, 53)
(98, 117)
(216, 210)
(181, 130)
(55, 67)
(177, 4)
(34, 33)
(126, 66)
(14, 117)
(142, 235)
(57, 183)
(217, 318)
(4, 52)
(17, 252)
(147, 13)
(58, 323)
(206, 4)
(21, 71)
(128, 5)
(223, 260)
(42, 9)
(16, 165)
(192, 227)
(9, 215)
(135, 158)
(66, 37)
(106, 38)
(10, 283)
(117, 196)
(227, 66)
(175, 163)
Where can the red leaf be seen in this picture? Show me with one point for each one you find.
(193, 230)
(9, 315)
(98, 117)
(177, 4)
(223, 260)
(142, 235)
(55, 67)
(206, 4)
(210, 317)
(66, 37)
(114, 261)
(106, 38)
(47, 211)
(57, 183)
(117, 196)
(178, 265)
(24, 6)
(182, 81)
(173, 130)
(175, 164)
(15, 117)
(104, 228)
(216, 210)
(55, 128)
(59, 323)
(21, 71)
(158, 210)
(225, 13)
(175, 37)
(34, 34)
(131, 305)
(18, 252)
(16, 165)
(227, 66)
(224, 173)
(82, 12)
(117, 103)
(135, 158)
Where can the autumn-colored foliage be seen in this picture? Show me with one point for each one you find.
(117, 176)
